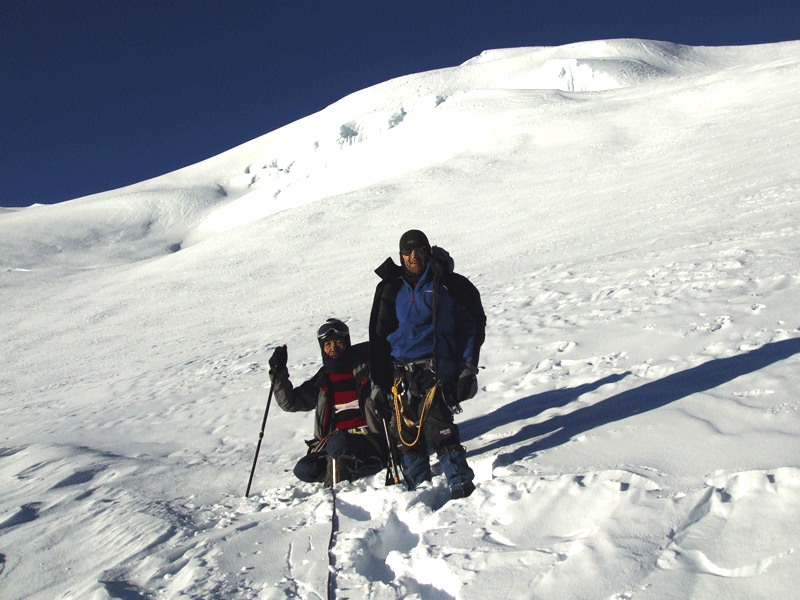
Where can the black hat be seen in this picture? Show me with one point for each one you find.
(413, 240)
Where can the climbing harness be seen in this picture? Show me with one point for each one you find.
(397, 393)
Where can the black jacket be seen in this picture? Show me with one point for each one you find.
(452, 294)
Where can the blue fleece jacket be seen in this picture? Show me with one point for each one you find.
(415, 337)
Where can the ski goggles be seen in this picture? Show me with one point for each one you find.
(332, 327)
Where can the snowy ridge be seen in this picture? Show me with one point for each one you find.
(127, 227)
(635, 436)
(313, 158)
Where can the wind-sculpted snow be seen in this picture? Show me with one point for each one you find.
(523, 533)
(573, 75)
(132, 225)
(635, 436)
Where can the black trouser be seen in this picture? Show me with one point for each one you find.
(437, 430)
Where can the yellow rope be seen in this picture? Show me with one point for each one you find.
(425, 407)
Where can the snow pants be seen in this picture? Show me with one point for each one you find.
(424, 426)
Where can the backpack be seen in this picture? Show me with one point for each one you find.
(463, 290)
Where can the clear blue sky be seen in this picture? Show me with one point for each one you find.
(97, 95)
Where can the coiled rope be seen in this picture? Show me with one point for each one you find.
(397, 411)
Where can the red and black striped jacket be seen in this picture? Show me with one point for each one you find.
(319, 393)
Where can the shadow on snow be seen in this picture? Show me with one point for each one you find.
(650, 396)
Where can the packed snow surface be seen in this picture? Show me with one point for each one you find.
(629, 211)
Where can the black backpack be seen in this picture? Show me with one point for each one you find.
(465, 292)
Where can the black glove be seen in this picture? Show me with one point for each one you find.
(467, 385)
(381, 405)
(278, 360)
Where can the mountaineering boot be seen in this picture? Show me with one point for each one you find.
(457, 471)
(359, 468)
(463, 492)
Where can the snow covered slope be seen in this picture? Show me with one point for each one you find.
(629, 210)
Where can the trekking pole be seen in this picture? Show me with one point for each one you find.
(334, 523)
(260, 437)
(392, 471)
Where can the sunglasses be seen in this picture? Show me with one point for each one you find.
(422, 252)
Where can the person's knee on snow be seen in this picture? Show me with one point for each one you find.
(337, 445)
(311, 468)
